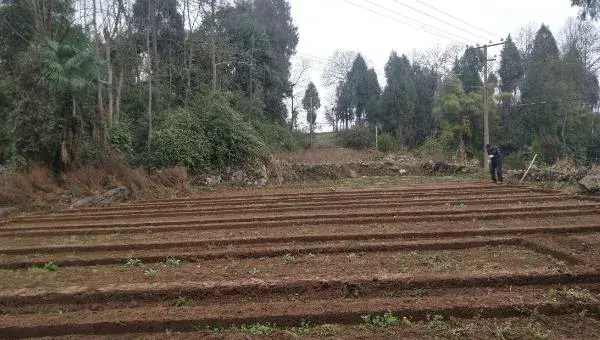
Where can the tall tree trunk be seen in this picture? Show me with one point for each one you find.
(213, 42)
(152, 19)
(97, 54)
(149, 77)
(119, 95)
(170, 69)
(49, 16)
(109, 69)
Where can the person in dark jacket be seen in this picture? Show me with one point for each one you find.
(495, 162)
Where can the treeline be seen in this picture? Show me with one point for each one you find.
(542, 98)
(200, 83)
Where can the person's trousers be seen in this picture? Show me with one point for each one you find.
(496, 170)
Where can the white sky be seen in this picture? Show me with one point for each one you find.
(327, 25)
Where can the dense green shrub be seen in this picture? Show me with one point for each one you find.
(120, 138)
(208, 136)
(387, 143)
(359, 137)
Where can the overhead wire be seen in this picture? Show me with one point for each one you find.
(457, 19)
(438, 19)
(404, 23)
(419, 23)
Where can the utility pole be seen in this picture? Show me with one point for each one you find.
(310, 123)
(486, 118)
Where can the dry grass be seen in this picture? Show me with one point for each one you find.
(176, 178)
(37, 188)
(330, 156)
(22, 188)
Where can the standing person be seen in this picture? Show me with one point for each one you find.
(495, 163)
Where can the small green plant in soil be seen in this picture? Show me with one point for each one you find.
(214, 331)
(48, 267)
(253, 271)
(436, 324)
(386, 320)
(305, 327)
(417, 292)
(180, 302)
(258, 329)
(288, 258)
(173, 262)
(133, 262)
(435, 262)
(51, 267)
(150, 273)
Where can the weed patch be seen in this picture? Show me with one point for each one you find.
(386, 320)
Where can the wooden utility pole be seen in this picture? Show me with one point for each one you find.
(486, 118)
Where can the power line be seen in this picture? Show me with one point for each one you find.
(402, 22)
(438, 19)
(455, 18)
(418, 22)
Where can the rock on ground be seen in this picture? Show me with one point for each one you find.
(591, 183)
(111, 196)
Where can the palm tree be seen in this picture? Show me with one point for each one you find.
(68, 70)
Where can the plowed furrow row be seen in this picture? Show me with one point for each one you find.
(285, 207)
(315, 215)
(497, 304)
(268, 250)
(179, 226)
(325, 197)
(302, 239)
(310, 288)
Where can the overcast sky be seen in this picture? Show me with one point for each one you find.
(327, 25)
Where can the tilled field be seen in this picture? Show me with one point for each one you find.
(300, 258)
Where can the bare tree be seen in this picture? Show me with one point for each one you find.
(525, 38)
(297, 79)
(111, 24)
(585, 36)
(209, 8)
(440, 60)
(188, 46)
(338, 67)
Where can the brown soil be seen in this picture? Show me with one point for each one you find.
(470, 252)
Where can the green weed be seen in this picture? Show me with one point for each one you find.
(253, 271)
(48, 267)
(386, 320)
(435, 262)
(418, 292)
(258, 329)
(51, 267)
(133, 262)
(173, 262)
(436, 324)
(150, 273)
(288, 258)
(180, 302)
